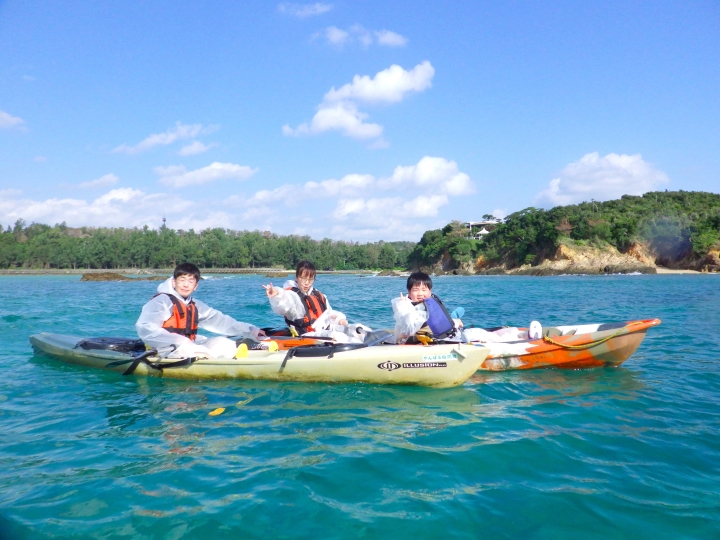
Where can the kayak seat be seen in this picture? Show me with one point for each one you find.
(551, 331)
(282, 331)
(123, 345)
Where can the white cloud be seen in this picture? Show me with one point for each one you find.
(391, 39)
(289, 195)
(601, 179)
(104, 181)
(357, 33)
(379, 144)
(177, 133)
(348, 186)
(339, 111)
(336, 36)
(363, 36)
(433, 171)
(363, 207)
(378, 209)
(195, 147)
(123, 207)
(179, 176)
(283, 195)
(304, 10)
(343, 117)
(388, 86)
(8, 121)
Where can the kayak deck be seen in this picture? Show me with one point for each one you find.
(571, 347)
(438, 366)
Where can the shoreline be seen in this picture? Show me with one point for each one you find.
(162, 271)
(663, 270)
(274, 272)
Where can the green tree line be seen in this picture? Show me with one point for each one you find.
(673, 224)
(62, 247)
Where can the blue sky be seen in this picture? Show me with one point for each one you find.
(349, 120)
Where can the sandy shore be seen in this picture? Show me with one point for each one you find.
(661, 270)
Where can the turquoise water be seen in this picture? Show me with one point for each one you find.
(629, 452)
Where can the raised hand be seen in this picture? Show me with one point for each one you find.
(270, 290)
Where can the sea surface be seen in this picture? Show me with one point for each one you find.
(627, 452)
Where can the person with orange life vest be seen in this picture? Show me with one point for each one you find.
(308, 311)
(170, 320)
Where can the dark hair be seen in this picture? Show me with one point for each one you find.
(305, 267)
(187, 269)
(419, 278)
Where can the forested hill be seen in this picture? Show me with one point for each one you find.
(672, 225)
(42, 246)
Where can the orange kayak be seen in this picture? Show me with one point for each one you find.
(570, 347)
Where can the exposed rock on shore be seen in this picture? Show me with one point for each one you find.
(574, 259)
(391, 273)
(284, 274)
(112, 276)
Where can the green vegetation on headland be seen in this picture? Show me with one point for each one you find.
(62, 247)
(677, 229)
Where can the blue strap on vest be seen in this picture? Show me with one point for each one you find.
(439, 319)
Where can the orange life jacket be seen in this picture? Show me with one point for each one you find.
(315, 304)
(184, 318)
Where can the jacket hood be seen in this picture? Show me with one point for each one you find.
(167, 288)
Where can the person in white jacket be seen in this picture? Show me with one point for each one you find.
(170, 320)
(410, 312)
(411, 315)
(307, 311)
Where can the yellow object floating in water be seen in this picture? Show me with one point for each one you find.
(217, 411)
(242, 351)
(273, 347)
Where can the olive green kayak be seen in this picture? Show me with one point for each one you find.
(437, 366)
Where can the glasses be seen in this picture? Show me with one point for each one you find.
(305, 279)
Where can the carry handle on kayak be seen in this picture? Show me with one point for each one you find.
(315, 351)
(143, 358)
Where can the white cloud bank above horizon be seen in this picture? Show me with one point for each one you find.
(122, 207)
(360, 207)
(339, 108)
(178, 133)
(303, 11)
(432, 182)
(8, 121)
(339, 37)
(601, 179)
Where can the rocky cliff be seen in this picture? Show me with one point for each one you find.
(579, 259)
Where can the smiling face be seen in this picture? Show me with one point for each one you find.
(305, 281)
(185, 285)
(419, 292)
